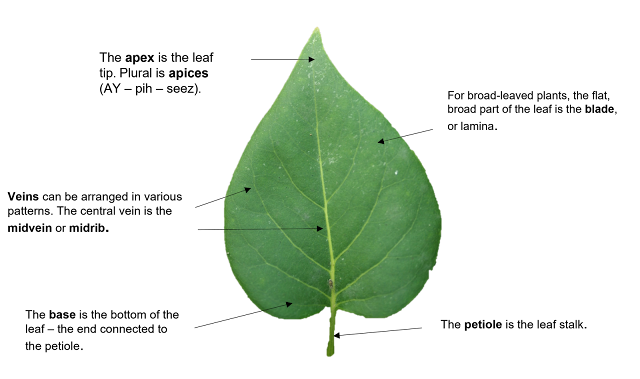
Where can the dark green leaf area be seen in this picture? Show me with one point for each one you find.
(314, 160)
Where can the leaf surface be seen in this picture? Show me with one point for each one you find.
(314, 160)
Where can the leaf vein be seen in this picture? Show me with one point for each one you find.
(278, 225)
(384, 294)
(370, 214)
(281, 270)
(297, 144)
(389, 252)
(353, 159)
(289, 175)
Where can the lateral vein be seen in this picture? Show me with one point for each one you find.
(278, 225)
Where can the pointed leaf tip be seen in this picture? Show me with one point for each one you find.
(319, 228)
(246, 189)
(311, 59)
(288, 304)
(337, 335)
(381, 141)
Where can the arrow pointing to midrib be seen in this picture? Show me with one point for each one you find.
(211, 323)
(285, 59)
(338, 335)
(317, 228)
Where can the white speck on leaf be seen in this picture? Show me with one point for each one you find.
(396, 172)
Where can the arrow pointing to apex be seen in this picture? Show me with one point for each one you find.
(275, 59)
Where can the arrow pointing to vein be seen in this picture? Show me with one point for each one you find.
(338, 335)
(245, 188)
(288, 304)
(382, 141)
(317, 228)
(300, 59)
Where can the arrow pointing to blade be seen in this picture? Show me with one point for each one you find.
(288, 304)
(338, 335)
(245, 188)
(317, 228)
(300, 59)
(382, 141)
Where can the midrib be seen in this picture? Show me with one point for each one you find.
(324, 197)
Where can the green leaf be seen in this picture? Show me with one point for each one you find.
(315, 160)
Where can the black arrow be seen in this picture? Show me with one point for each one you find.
(245, 188)
(317, 228)
(288, 304)
(337, 335)
(382, 141)
(300, 59)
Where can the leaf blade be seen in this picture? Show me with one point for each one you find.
(315, 159)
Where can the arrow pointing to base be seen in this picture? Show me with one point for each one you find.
(245, 189)
(338, 335)
(288, 304)
(382, 141)
(300, 59)
(317, 228)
